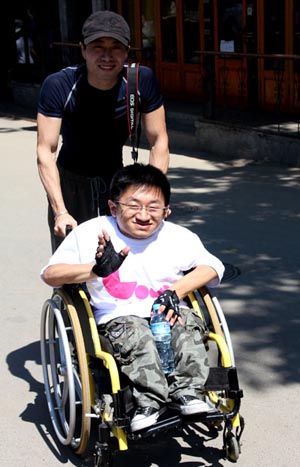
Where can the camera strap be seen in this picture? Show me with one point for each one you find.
(133, 113)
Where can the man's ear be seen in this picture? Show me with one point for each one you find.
(167, 213)
(82, 48)
(113, 207)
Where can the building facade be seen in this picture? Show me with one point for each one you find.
(243, 54)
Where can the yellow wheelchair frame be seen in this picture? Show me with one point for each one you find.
(75, 368)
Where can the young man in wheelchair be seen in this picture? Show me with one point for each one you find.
(151, 266)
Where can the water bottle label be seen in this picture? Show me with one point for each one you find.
(160, 328)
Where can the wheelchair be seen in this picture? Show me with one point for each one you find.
(84, 387)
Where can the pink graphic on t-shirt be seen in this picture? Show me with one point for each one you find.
(118, 289)
(141, 291)
(125, 290)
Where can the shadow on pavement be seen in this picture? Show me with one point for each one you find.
(37, 412)
(249, 216)
(162, 451)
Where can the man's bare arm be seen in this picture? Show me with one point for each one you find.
(156, 132)
(47, 144)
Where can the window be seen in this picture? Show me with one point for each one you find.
(296, 49)
(208, 18)
(296, 27)
(148, 30)
(274, 27)
(274, 33)
(191, 33)
(168, 31)
(129, 15)
(230, 26)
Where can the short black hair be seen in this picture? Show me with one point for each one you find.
(139, 175)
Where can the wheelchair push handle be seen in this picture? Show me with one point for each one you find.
(68, 229)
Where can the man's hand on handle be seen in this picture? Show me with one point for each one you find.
(61, 221)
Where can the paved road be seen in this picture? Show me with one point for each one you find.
(249, 216)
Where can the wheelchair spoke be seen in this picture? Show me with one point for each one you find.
(64, 368)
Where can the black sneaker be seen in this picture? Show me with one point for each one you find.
(144, 417)
(190, 405)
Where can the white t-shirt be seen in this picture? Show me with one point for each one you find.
(152, 265)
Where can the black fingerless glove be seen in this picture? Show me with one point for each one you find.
(170, 300)
(109, 262)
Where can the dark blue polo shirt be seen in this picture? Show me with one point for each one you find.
(94, 122)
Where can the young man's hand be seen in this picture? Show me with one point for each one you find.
(170, 303)
(107, 259)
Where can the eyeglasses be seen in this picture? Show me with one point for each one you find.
(134, 208)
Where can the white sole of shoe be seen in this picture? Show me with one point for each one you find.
(147, 421)
(193, 409)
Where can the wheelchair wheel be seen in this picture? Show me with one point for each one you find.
(65, 371)
(232, 447)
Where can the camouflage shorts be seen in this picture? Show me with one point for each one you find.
(135, 351)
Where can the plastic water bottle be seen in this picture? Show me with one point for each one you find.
(161, 331)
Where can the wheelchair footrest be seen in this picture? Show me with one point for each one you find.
(162, 425)
(172, 421)
(221, 378)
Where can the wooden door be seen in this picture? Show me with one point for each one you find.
(295, 72)
(180, 37)
(231, 67)
(279, 26)
(272, 72)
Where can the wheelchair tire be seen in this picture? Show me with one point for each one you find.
(232, 448)
(65, 370)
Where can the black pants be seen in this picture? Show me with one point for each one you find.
(84, 198)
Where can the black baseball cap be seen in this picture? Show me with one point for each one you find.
(106, 24)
